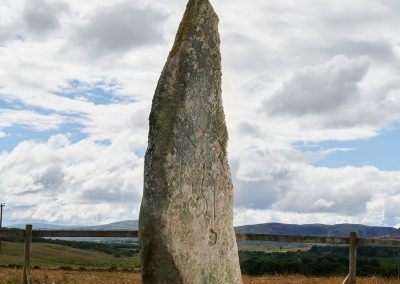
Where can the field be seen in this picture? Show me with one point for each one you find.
(55, 256)
(271, 248)
(11, 276)
(50, 257)
(292, 279)
(14, 276)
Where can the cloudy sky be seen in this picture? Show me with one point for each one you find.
(311, 94)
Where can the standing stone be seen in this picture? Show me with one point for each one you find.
(186, 217)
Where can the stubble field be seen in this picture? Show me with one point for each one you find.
(43, 276)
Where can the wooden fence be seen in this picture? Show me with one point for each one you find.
(352, 241)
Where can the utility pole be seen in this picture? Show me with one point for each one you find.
(1, 218)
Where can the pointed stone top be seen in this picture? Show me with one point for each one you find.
(200, 22)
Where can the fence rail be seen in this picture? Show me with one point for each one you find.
(353, 241)
(318, 240)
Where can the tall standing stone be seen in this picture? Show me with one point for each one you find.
(186, 230)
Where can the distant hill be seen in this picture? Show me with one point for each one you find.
(122, 225)
(317, 229)
(395, 235)
(267, 228)
(42, 226)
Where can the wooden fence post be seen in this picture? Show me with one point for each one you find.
(353, 258)
(27, 254)
(352, 276)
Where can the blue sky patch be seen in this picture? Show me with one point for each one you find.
(104, 142)
(20, 38)
(16, 105)
(380, 151)
(100, 93)
(18, 134)
(141, 152)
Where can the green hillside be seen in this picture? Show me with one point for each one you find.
(55, 256)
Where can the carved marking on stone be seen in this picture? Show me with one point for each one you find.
(214, 204)
(213, 238)
(209, 198)
(190, 140)
(204, 195)
(197, 206)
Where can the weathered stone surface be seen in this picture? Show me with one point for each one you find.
(186, 230)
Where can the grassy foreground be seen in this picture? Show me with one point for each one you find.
(11, 276)
(14, 276)
(55, 256)
(293, 279)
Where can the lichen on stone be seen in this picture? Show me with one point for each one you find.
(186, 219)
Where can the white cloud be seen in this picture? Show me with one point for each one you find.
(283, 181)
(331, 96)
(69, 183)
(41, 17)
(105, 122)
(31, 19)
(320, 89)
(29, 119)
(119, 28)
(322, 203)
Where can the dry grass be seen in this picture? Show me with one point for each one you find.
(14, 276)
(293, 279)
(11, 276)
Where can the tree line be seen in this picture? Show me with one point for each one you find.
(322, 261)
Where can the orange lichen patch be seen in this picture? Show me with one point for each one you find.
(218, 147)
(202, 131)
